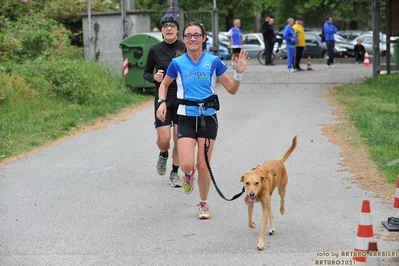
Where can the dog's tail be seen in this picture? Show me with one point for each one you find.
(290, 150)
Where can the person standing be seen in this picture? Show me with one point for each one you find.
(300, 45)
(359, 51)
(234, 35)
(274, 37)
(159, 57)
(329, 31)
(196, 73)
(267, 32)
(290, 38)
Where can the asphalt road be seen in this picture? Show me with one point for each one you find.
(96, 199)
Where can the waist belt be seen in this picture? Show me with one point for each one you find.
(210, 102)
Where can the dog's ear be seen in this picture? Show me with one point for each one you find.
(242, 178)
(263, 178)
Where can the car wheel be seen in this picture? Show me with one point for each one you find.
(324, 55)
(383, 53)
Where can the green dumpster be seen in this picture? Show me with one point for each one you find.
(134, 52)
(396, 54)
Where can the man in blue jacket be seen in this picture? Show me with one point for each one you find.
(329, 31)
(290, 38)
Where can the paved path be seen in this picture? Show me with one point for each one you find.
(95, 199)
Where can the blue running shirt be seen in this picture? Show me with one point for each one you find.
(195, 81)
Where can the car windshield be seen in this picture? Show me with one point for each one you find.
(222, 36)
(340, 38)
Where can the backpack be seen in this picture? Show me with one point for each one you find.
(323, 37)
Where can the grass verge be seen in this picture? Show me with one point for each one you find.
(373, 109)
(42, 101)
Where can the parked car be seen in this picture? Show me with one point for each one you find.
(342, 42)
(223, 50)
(312, 29)
(317, 49)
(253, 43)
(222, 38)
(367, 41)
(351, 34)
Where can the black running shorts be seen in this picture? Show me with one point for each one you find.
(190, 127)
(236, 50)
(172, 103)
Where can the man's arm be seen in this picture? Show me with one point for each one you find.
(148, 74)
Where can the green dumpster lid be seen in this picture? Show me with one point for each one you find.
(132, 40)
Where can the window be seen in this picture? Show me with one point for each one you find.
(251, 40)
(310, 38)
(367, 40)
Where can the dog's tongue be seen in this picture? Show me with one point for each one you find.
(247, 199)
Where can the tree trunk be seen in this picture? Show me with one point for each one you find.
(257, 21)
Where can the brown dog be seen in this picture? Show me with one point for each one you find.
(259, 185)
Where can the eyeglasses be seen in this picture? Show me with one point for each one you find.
(196, 36)
(167, 25)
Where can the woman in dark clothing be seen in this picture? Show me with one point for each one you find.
(158, 59)
(359, 51)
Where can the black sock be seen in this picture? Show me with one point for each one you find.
(164, 154)
(175, 168)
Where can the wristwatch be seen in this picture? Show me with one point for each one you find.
(161, 101)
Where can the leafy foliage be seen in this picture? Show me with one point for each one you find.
(33, 36)
(77, 81)
(351, 14)
(34, 110)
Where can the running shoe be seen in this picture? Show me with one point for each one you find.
(161, 165)
(204, 213)
(175, 180)
(188, 182)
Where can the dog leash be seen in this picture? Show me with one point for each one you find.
(206, 148)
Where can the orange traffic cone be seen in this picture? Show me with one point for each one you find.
(372, 258)
(309, 63)
(366, 62)
(365, 234)
(393, 221)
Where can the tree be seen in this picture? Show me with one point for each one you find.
(349, 14)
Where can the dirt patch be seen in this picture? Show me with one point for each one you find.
(355, 157)
(100, 124)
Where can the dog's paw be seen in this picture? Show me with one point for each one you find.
(261, 244)
(261, 247)
(271, 231)
(252, 225)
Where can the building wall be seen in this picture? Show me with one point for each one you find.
(110, 34)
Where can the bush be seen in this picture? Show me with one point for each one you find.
(14, 89)
(34, 36)
(78, 81)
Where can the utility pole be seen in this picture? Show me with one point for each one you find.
(215, 28)
(126, 5)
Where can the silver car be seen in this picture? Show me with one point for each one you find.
(253, 43)
(367, 41)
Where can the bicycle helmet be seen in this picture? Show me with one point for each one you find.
(168, 19)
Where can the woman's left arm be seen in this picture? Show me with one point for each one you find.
(232, 85)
